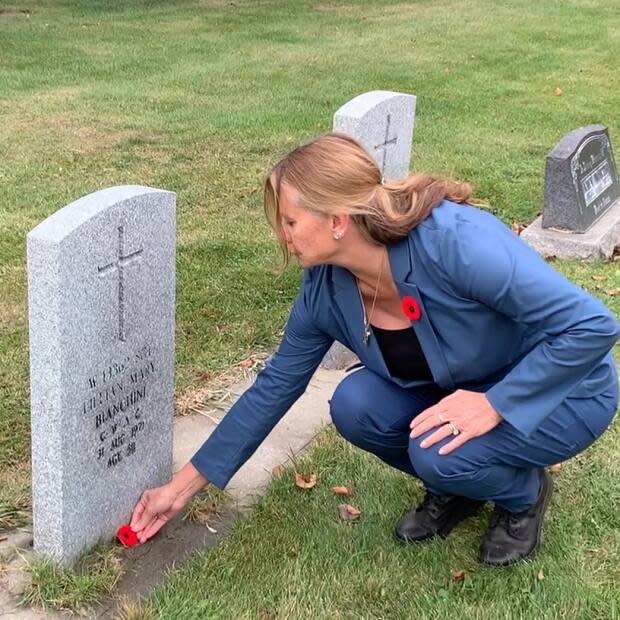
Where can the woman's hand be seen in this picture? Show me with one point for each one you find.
(155, 508)
(159, 505)
(469, 413)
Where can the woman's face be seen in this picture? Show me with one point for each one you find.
(309, 236)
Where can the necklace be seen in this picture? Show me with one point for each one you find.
(367, 331)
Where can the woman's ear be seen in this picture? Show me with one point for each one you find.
(339, 224)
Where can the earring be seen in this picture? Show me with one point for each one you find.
(337, 235)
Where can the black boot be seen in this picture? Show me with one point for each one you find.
(513, 536)
(435, 516)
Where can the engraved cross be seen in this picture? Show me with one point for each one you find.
(122, 260)
(385, 144)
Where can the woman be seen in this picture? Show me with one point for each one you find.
(481, 364)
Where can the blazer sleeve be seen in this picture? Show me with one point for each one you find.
(277, 387)
(495, 267)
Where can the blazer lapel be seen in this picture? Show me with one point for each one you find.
(403, 270)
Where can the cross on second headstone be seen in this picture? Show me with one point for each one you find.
(119, 264)
(387, 141)
(382, 121)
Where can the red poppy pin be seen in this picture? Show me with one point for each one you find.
(411, 308)
(127, 536)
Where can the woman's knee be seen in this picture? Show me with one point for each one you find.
(344, 408)
(439, 470)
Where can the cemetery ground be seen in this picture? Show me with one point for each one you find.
(201, 98)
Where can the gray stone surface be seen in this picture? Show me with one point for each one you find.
(383, 122)
(338, 357)
(597, 243)
(581, 180)
(289, 437)
(101, 287)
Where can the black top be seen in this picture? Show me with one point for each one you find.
(402, 353)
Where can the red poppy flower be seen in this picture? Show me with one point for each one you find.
(411, 308)
(127, 536)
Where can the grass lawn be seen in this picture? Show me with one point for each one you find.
(201, 97)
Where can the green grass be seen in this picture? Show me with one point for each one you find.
(201, 97)
(295, 558)
(78, 589)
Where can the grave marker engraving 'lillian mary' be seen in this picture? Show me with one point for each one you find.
(101, 278)
(581, 213)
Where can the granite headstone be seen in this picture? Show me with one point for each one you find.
(581, 212)
(383, 121)
(581, 180)
(101, 291)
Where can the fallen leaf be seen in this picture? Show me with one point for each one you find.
(341, 490)
(246, 363)
(305, 482)
(556, 469)
(613, 291)
(541, 575)
(277, 471)
(458, 575)
(598, 278)
(265, 614)
(517, 228)
(348, 512)
(557, 92)
(203, 375)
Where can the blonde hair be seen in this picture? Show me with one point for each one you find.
(334, 173)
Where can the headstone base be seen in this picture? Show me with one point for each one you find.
(338, 357)
(595, 244)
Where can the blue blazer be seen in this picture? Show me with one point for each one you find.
(494, 317)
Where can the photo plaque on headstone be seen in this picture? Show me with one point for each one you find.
(581, 180)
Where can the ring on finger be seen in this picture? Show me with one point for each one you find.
(455, 431)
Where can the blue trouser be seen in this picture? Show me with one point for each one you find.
(500, 466)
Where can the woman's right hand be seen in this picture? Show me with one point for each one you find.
(156, 507)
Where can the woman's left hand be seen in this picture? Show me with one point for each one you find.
(469, 413)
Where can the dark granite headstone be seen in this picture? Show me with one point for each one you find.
(581, 180)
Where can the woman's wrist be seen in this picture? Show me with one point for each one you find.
(187, 482)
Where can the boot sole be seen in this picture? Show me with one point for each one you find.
(539, 535)
(445, 530)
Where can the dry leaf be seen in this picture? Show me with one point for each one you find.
(613, 291)
(598, 278)
(341, 490)
(556, 469)
(305, 482)
(541, 575)
(265, 614)
(203, 376)
(517, 228)
(277, 471)
(458, 575)
(348, 512)
(557, 92)
(246, 363)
